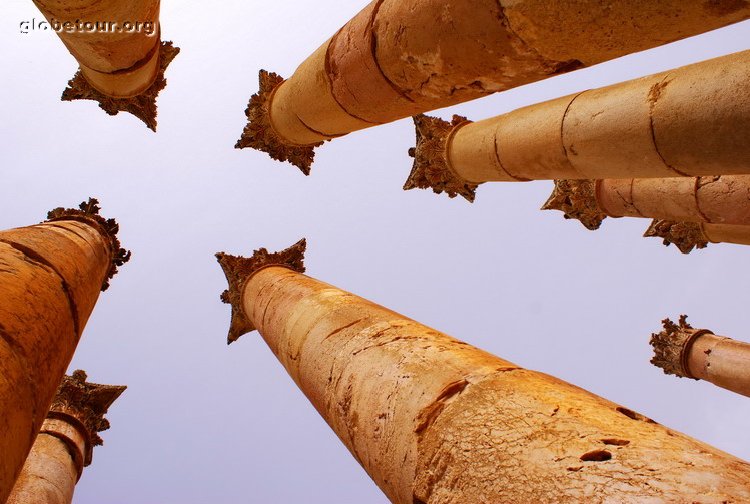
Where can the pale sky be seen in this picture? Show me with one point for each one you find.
(203, 423)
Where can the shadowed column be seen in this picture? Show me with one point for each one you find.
(50, 278)
(690, 121)
(397, 58)
(435, 420)
(65, 444)
(685, 352)
(118, 47)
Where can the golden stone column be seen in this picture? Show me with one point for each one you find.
(397, 58)
(435, 420)
(119, 50)
(687, 212)
(690, 121)
(50, 278)
(65, 444)
(699, 354)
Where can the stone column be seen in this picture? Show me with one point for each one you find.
(686, 122)
(50, 278)
(720, 199)
(689, 235)
(119, 50)
(397, 58)
(65, 444)
(435, 420)
(699, 354)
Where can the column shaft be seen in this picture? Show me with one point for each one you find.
(686, 121)
(435, 420)
(727, 233)
(397, 58)
(50, 278)
(723, 199)
(49, 475)
(690, 121)
(722, 361)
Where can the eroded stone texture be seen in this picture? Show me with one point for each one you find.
(399, 58)
(50, 277)
(64, 445)
(624, 131)
(435, 420)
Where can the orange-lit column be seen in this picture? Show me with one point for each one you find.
(690, 121)
(65, 444)
(397, 58)
(685, 352)
(119, 50)
(433, 419)
(50, 278)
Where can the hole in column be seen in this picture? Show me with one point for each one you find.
(596, 456)
(632, 414)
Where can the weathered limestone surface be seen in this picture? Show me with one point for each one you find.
(48, 476)
(683, 351)
(720, 199)
(50, 278)
(121, 67)
(65, 444)
(690, 121)
(398, 58)
(435, 420)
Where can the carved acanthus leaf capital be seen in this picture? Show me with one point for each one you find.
(239, 269)
(87, 403)
(431, 169)
(88, 213)
(672, 346)
(259, 133)
(577, 200)
(142, 106)
(684, 235)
